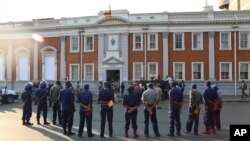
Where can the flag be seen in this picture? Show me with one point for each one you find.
(108, 13)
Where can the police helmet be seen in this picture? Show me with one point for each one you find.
(215, 87)
(150, 85)
(193, 86)
(68, 84)
(28, 86)
(43, 84)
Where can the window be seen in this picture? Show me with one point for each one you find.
(49, 63)
(74, 72)
(197, 41)
(89, 43)
(89, 72)
(74, 44)
(152, 41)
(22, 64)
(137, 71)
(2, 68)
(244, 44)
(225, 40)
(179, 69)
(178, 41)
(244, 71)
(197, 71)
(226, 71)
(137, 42)
(152, 70)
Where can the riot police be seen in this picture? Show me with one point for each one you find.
(27, 103)
(42, 95)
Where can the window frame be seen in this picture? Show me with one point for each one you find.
(2, 55)
(202, 71)
(229, 41)
(240, 70)
(183, 69)
(142, 71)
(248, 41)
(201, 41)
(134, 41)
(156, 70)
(86, 44)
(93, 71)
(183, 41)
(230, 71)
(71, 44)
(156, 42)
(70, 72)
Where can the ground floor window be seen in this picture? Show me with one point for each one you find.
(49, 67)
(1, 67)
(244, 71)
(137, 71)
(179, 70)
(74, 72)
(152, 70)
(197, 71)
(23, 68)
(225, 71)
(89, 72)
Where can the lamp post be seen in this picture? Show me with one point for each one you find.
(80, 46)
(145, 28)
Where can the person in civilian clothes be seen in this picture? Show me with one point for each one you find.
(218, 110)
(195, 99)
(85, 100)
(159, 93)
(150, 100)
(175, 105)
(27, 104)
(68, 108)
(130, 102)
(211, 102)
(243, 87)
(42, 105)
(105, 97)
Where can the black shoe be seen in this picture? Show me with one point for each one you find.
(110, 135)
(64, 132)
(157, 135)
(54, 122)
(79, 135)
(28, 123)
(71, 133)
(196, 133)
(178, 133)
(146, 135)
(24, 123)
(46, 123)
(102, 136)
(185, 131)
(171, 135)
(91, 135)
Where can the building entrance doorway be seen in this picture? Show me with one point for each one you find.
(113, 76)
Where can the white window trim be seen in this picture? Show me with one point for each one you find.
(183, 42)
(154, 63)
(248, 41)
(3, 67)
(71, 43)
(239, 70)
(134, 42)
(85, 43)
(201, 47)
(22, 52)
(156, 42)
(49, 53)
(93, 71)
(70, 71)
(142, 71)
(183, 69)
(202, 70)
(229, 41)
(230, 71)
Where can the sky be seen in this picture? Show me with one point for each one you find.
(26, 10)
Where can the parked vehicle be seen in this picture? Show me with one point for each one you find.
(8, 96)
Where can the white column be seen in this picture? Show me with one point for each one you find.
(165, 54)
(62, 59)
(35, 63)
(9, 64)
(211, 56)
(101, 46)
(124, 46)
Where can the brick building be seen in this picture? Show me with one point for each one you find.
(190, 46)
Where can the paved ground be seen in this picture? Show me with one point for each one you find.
(12, 130)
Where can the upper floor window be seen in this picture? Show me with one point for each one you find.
(244, 40)
(74, 44)
(178, 41)
(137, 71)
(137, 42)
(89, 43)
(179, 70)
(225, 71)
(225, 40)
(197, 41)
(152, 70)
(197, 71)
(244, 71)
(152, 41)
(74, 72)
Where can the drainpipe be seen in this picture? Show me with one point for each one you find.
(81, 60)
(145, 28)
(235, 27)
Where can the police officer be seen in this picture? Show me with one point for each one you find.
(54, 97)
(27, 103)
(150, 100)
(130, 102)
(195, 99)
(85, 100)
(68, 108)
(211, 102)
(42, 102)
(175, 105)
(106, 99)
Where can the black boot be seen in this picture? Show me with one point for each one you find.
(28, 123)
(24, 122)
(38, 121)
(54, 122)
(45, 122)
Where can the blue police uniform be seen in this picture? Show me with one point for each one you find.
(209, 112)
(85, 98)
(27, 107)
(176, 99)
(42, 95)
(106, 95)
(131, 100)
(68, 108)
